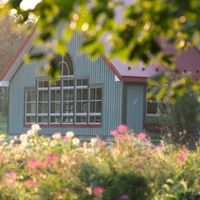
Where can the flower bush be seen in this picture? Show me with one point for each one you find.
(62, 167)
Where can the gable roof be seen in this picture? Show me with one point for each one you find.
(187, 61)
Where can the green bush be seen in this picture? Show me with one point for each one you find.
(180, 118)
(4, 100)
(35, 167)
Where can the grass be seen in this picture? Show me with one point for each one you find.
(3, 124)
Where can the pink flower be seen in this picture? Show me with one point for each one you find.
(121, 137)
(124, 197)
(184, 150)
(113, 132)
(65, 137)
(50, 158)
(142, 136)
(102, 144)
(10, 178)
(182, 158)
(29, 182)
(2, 155)
(122, 128)
(98, 191)
(34, 164)
(158, 148)
(57, 135)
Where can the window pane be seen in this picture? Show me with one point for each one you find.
(152, 107)
(81, 107)
(28, 95)
(43, 96)
(95, 119)
(30, 119)
(55, 95)
(68, 95)
(31, 107)
(55, 119)
(81, 119)
(43, 108)
(82, 94)
(68, 107)
(55, 107)
(42, 119)
(98, 107)
(43, 84)
(80, 82)
(68, 120)
(56, 83)
(98, 94)
(92, 94)
(92, 107)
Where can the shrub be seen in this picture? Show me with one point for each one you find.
(60, 167)
(4, 100)
(180, 117)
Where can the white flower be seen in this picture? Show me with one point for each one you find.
(70, 134)
(76, 141)
(23, 137)
(35, 127)
(93, 141)
(57, 135)
(30, 132)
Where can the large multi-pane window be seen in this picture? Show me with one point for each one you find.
(69, 100)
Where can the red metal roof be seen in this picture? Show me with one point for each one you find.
(187, 61)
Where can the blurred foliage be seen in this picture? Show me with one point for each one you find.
(131, 28)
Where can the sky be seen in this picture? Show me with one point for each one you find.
(25, 4)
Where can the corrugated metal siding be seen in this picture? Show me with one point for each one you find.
(98, 73)
(135, 96)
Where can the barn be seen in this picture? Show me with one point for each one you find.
(90, 97)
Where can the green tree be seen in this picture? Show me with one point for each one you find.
(133, 25)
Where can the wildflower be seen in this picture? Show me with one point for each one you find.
(169, 135)
(34, 164)
(70, 134)
(10, 177)
(113, 132)
(93, 141)
(102, 144)
(182, 157)
(2, 155)
(64, 138)
(57, 135)
(159, 148)
(142, 136)
(29, 182)
(184, 150)
(2, 137)
(76, 141)
(23, 137)
(50, 158)
(30, 133)
(98, 191)
(122, 128)
(35, 127)
(124, 197)
(121, 137)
